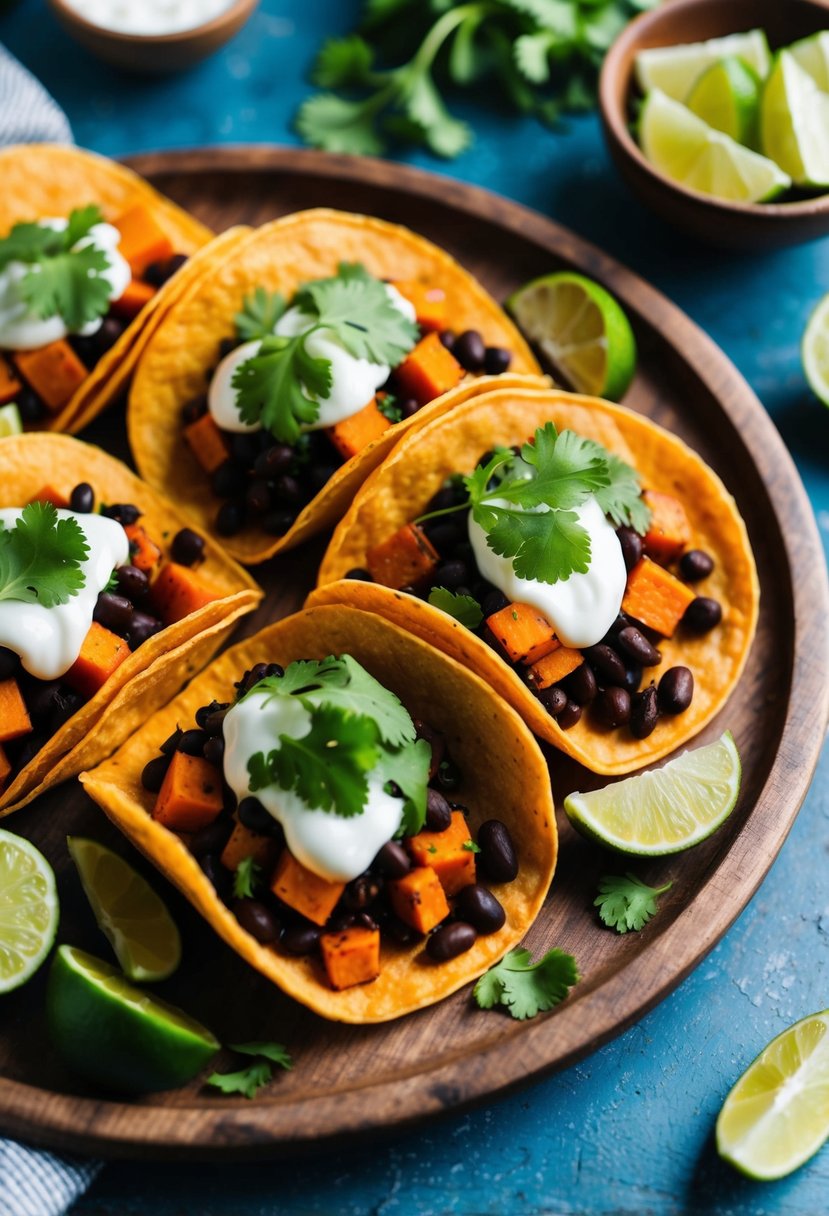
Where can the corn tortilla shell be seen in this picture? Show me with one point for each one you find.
(280, 257)
(504, 776)
(400, 490)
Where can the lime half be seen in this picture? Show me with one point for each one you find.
(29, 911)
(116, 1035)
(676, 69)
(815, 351)
(813, 56)
(581, 329)
(10, 421)
(688, 151)
(794, 123)
(134, 919)
(666, 809)
(727, 97)
(777, 1115)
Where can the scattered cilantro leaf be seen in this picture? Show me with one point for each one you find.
(463, 608)
(275, 1052)
(41, 557)
(247, 1081)
(246, 877)
(112, 582)
(471, 846)
(625, 902)
(526, 988)
(260, 312)
(388, 406)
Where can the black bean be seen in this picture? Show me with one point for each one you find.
(359, 574)
(451, 575)
(212, 838)
(494, 602)
(257, 497)
(435, 740)
(30, 406)
(361, 892)
(82, 498)
(451, 494)
(252, 677)
(257, 920)
(569, 716)
(194, 409)
(153, 773)
(228, 480)
(450, 940)
(469, 350)
(496, 360)
(132, 582)
(615, 629)
(9, 663)
(695, 565)
(287, 489)
(157, 273)
(40, 697)
(448, 775)
(676, 690)
(448, 338)
(142, 627)
(408, 407)
(605, 663)
(187, 547)
(392, 860)
(170, 744)
(65, 704)
(633, 677)
(215, 872)
(497, 858)
(123, 512)
(274, 671)
(438, 812)
(444, 534)
(214, 750)
(612, 706)
(702, 614)
(109, 333)
(227, 346)
(274, 460)
(278, 521)
(230, 518)
(478, 906)
(211, 717)
(300, 939)
(581, 685)
(245, 448)
(634, 645)
(253, 815)
(399, 931)
(644, 712)
(192, 742)
(632, 546)
(113, 612)
(553, 699)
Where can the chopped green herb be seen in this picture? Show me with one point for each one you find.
(388, 407)
(275, 1052)
(625, 902)
(112, 582)
(248, 1081)
(471, 847)
(260, 312)
(248, 875)
(462, 607)
(526, 988)
(432, 848)
(41, 556)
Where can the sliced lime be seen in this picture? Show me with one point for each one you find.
(794, 123)
(663, 810)
(688, 151)
(676, 69)
(10, 421)
(815, 351)
(29, 910)
(116, 1035)
(727, 97)
(813, 56)
(140, 930)
(581, 329)
(777, 1115)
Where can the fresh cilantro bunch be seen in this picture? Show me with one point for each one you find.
(625, 902)
(64, 280)
(545, 55)
(248, 1081)
(358, 730)
(526, 988)
(41, 557)
(281, 385)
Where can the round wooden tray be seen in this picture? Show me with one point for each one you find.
(349, 1081)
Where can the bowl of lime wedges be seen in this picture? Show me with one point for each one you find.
(716, 113)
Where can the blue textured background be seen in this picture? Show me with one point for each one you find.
(628, 1132)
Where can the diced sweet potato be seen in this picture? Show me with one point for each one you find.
(50, 494)
(351, 957)
(178, 591)
(655, 597)
(14, 717)
(313, 897)
(429, 303)
(55, 372)
(554, 667)
(5, 769)
(10, 385)
(144, 552)
(445, 853)
(419, 899)
(243, 843)
(137, 295)
(428, 370)
(102, 652)
(669, 531)
(404, 560)
(355, 433)
(525, 635)
(191, 794)
(142, 240)
(207, 442)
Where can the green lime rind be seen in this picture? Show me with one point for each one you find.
(676, 69)
(814, 351)
(727, 98)
(794, 123)
(29, 910)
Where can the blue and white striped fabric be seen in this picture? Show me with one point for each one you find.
(27, 113)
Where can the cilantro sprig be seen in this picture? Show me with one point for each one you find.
(625, 902)
(464, 608)
(41, 557)
(246, 878)
(259, 314)
(248, 1081)
(526, 988)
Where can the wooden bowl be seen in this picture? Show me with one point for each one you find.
(738, 225)
(154, 53)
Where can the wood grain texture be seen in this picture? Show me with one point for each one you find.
(352, 1081)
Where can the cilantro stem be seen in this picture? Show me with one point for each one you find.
(461, 506)
(422, 60)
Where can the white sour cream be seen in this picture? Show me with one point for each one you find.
(353, 381)
(582, 608)
(329, 845)
(149, 17)
(49, 640)
(20, 329)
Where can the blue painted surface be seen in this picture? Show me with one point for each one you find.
(629, 1130)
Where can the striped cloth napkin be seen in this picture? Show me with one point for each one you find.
(34, 1182)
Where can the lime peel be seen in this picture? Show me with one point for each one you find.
(815, 351)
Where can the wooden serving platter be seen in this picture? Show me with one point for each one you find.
(349, 1081)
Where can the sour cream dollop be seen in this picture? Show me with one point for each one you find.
(148, 17)
(49, 640)
(329, 845)
(353, 381)
(582, 608)
(20, 329)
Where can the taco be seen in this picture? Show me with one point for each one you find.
(90, 258)
(108, 602)
(344, 907)
(583, 561)
(285, 375)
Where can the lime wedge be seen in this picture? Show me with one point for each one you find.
(134, 919)
(777, 1115)
(676, 69)
(581, 329)
(815, 351)
(688, 151)
(116, 1035)
(794, 123)
(727, 97)
(29, 911)
(10, 421)
(663, 810)
(813, 56)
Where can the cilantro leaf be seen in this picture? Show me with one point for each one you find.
(622, 498)
(408, 768)
(343, 61)
(247, 876)
(80, 223)
(337, 125)
(41, 556)
(271, 386)
(70, 285)
(248, 1081)
(625, 902)
(526, 988)
(30, 243)
(471, 847)
(545, 545)
(564, 470)
(463, 608)
(275, 1052)
(260, 312)
(388, 407)
(363, 317)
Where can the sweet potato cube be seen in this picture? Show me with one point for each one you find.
(404, 560)
(207, 443)
(445, 853)
(55, 372)
(10, 385)
(355, 433)
(142, 240)
(178, 591)
(191, 794)
(554, 667)
(523, 632)
(14, 716)
(351, 957)
(50, 494)
(313, 897)
(429, 370)
(5, 769)
(429, 303)
(419, 899)
(669, 532)
(655, 597)
(137, 295)
(243, 843)
(144, 552)
(102, 652)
